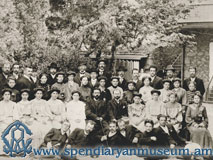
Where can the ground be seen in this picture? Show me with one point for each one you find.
(210, 115)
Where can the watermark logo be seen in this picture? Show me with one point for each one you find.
(16, 141)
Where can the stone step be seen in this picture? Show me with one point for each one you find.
(210, 99)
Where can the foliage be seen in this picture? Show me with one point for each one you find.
(64, 30)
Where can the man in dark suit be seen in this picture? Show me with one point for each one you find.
(82, 72)
(135, 79)
(166, 134)
(4, 75)
(113, 138)
(129, 133)
(53, 69)
(16, 71)
(117, 108)
(156, 82)
(121, 74)
(93, 83)
(96, 110)
(56, 137)
(148, 138)
(25, 81)
(81, 137)
(198, 82)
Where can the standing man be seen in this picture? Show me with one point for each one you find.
(121, 74)
(16, 71)
(82, 72)
(135, 79)
(156, 82)
(25, 81)
(114, 86)
(4, 75)
(193, 78)
(53, 68)
(170, 74)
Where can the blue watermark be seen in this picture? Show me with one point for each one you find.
(14, 139)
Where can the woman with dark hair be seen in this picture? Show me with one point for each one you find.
(84, 89)
(76, 111)
(197, 121)
(145, 91)
(42, 82)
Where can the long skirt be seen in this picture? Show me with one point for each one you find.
(201, 136)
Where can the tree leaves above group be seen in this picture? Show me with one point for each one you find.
(40, 32)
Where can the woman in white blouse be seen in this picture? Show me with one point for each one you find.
(76, 111)
(56, 108)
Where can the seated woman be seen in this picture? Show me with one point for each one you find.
(76, 111)
(84, 89)
(8, 112)
(155, 107)
(42, 82)
(174, 112)
(137, 112)
(197, 121)
(24, 108)
(145, 91)
(41, 115)
(191, 92)
(164, 96)
(56, 108)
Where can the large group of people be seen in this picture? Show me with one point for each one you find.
(94, 107)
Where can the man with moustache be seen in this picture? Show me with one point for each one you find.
(82, 72)
(25, 81)
(53, 69)
(156, 82)
(16, 71)
(199, 85)
(4, 75)
(96, 110)
(117, 107)
(121, 74)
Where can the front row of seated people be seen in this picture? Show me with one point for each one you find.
(102, 119)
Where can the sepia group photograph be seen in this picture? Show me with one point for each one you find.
(106, 79)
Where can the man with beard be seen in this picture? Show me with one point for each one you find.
(25, 81)
(16, 71)
(135, 79)
(170, 74)
(96, 110)
(129, 133)
(4, 75)
(117, 107)
(113, 138)
(53, 68)
(199, 85)
(82, 72)
(121, 74)
(114, 86)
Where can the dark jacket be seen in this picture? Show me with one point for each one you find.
(164, 140)
(145, 139)
(123, 85)
(79, 139)
(51, 80)
(55, 137)
(117, 110)
(199, 85)
(95, 109)
(3, 81)
(157, 83)
(24, 83)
